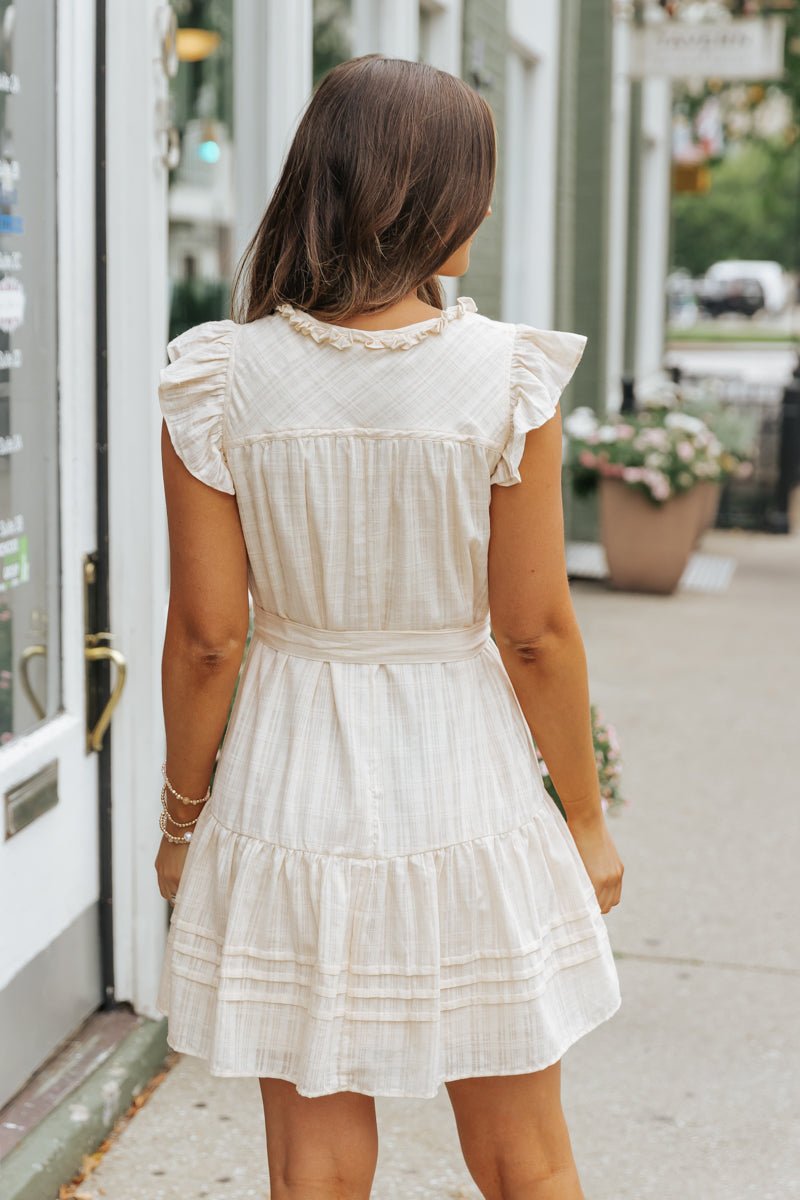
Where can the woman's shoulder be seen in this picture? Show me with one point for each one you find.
(206, 340)
(192, 392)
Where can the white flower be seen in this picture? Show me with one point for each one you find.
(581, 422)
(652, 437)
(656, 393)
(681, 420)
(606, 433)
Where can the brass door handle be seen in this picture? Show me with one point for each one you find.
(27, 654)
(94, 736)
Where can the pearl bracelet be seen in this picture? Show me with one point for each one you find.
(185, 837)
(177, 795)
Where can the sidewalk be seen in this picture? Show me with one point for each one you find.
(692, 1091)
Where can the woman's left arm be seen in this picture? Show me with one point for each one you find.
(206, 633)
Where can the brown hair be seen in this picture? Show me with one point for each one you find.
(391, 169)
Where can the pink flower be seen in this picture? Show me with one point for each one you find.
(684, 451)
(586, 458)
(632, 474)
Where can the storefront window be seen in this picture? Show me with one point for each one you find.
(30, 667)
(201, 188)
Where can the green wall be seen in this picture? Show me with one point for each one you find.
(583, 199)
(484, 67)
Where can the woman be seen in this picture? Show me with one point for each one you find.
(380, 896)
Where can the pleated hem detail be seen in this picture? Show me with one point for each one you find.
(385, 976)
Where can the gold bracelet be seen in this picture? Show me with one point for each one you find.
(177, 795)
(185, 837)
(179, 824)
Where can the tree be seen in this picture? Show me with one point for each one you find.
(753, 207)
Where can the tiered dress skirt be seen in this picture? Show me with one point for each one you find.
(381, 895)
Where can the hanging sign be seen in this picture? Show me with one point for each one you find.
(742, 48)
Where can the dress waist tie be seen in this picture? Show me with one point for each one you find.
(370, 645)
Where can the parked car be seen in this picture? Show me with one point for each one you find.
(745, 286)
(740, 295)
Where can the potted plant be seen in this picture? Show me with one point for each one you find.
(735, 428)
(607, 756)
(647, 467)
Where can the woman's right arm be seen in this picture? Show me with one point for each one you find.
(537, 635)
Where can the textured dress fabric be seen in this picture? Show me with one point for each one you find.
(380, 894)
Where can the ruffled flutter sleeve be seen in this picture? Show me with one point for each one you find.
(192, 393)
(542, 363)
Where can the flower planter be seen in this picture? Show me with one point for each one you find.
(710, 495)
(647, 545)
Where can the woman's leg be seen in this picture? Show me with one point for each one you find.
(514, 1137)
(320, 1147)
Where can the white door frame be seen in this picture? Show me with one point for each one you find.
(531, 149)
(136, 198)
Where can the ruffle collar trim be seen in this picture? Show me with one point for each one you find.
(343, 336)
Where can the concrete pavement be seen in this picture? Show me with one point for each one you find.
(692, 1090)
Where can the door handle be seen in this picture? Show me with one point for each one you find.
(24, 659)
(94, 652)
(95, 735)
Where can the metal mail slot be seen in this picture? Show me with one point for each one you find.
(30, 799)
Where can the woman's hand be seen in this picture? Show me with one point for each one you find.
(603, 864)
(169, 868)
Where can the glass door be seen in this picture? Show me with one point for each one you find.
(50, 958)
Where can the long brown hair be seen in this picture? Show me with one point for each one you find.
(391, 169)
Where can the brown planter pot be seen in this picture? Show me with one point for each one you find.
(647, 545)
(710, 495)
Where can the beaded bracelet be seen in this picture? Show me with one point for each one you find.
(179, 824)
(177, 795)
(185, 837)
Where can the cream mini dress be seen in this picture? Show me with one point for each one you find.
(380, 894)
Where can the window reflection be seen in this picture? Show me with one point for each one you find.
(30, 674)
